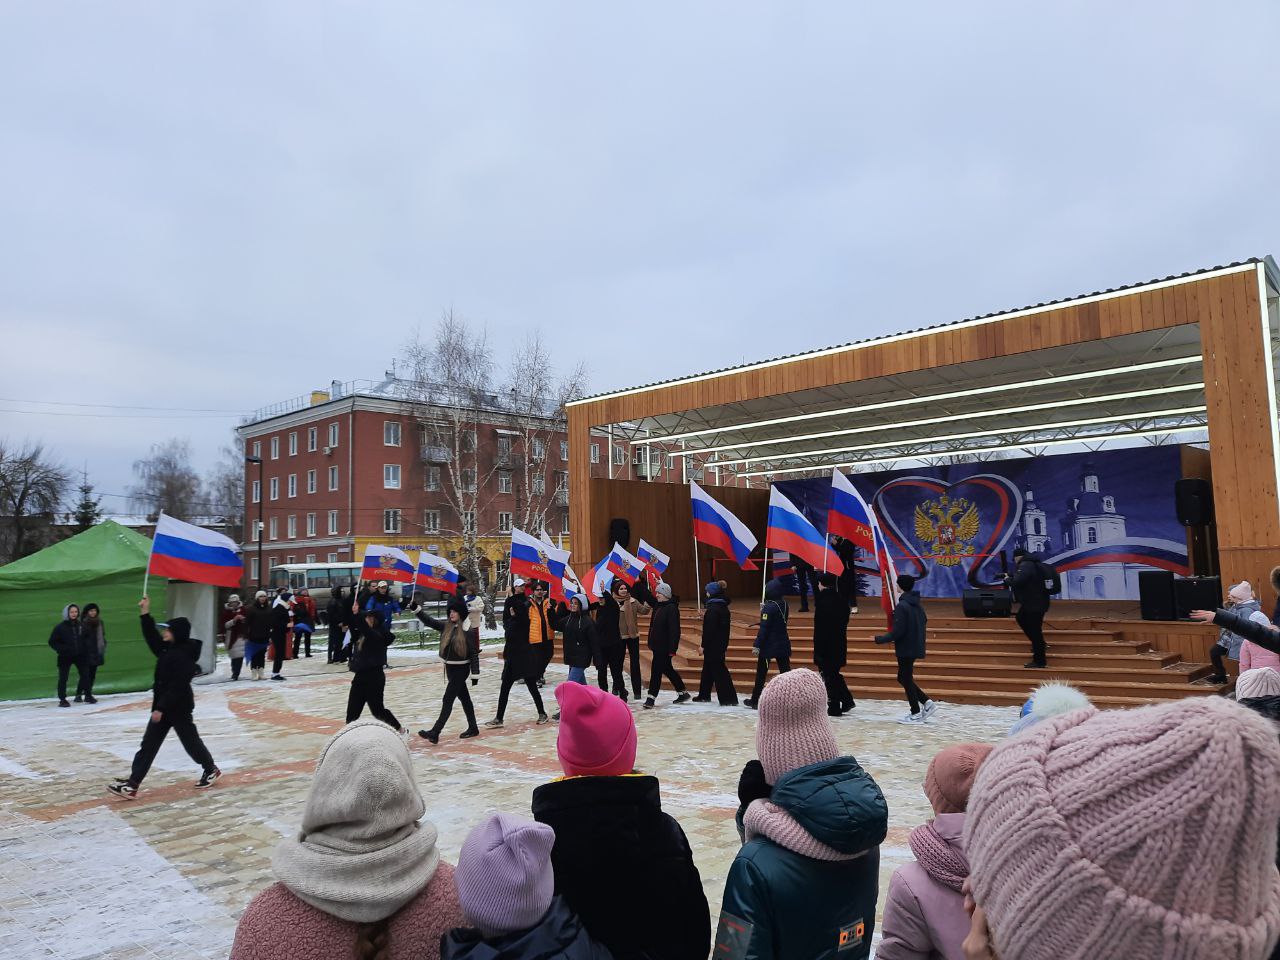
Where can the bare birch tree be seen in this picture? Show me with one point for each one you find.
(32, 486)
(166, 481)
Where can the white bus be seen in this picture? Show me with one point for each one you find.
(316, 577)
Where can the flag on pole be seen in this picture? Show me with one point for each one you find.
(850, 516)
(624, 565)
(889, 592)
(569, 583)
(183, 551)
(386, 563)
(598, 580)
(717, 527)
(437, 573)
(654, 557)
(790, 530)
(535, 560)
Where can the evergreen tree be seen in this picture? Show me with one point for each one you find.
(88, 508)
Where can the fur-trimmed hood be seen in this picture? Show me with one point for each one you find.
(1275, 579)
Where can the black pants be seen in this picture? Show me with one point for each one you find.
(510, 677)
(1216, 654)
(610, 666)
(64, 670)
(88, 671)
(715, 675)
(906, 677)
(541, 653)
(762, 671)
(804, 575)
(473, 642)
(236, 664)
(300, 638)
(189, 736)
(838, 695)
(1032, 624)
(279, 643)
(633, 653)
(367, 689)
(663, 667)
(456, 689)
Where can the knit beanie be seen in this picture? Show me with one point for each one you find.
(504, 878)
(1241, 592)
(715, 588)
(1130, 833)
(597, 733)
(949, 778)
(793, 730)
(1259, 682)
(663, 591)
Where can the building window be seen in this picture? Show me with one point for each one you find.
(468, 521)
(1037, 526)
(1091, 535)
(391, 476)
(671, 461)
(313, 434)
(504, 481)
(310, 558)
(1108, 504)
(271, 561)
(390, 521)
(333, 521)
(539, 485)
(391, 433)
(293, 443)
(539, 449)
(562, 481)
(293, 484)
(467, 441)
(501, 568)
(333, 434)
(273, 531)
(619, 456)
(504, 522)
(432, 481)
(431, 521)
(253, 569)
(469, 480)
(311, 481)
(1099, 588)
(333, 558)
(311, 526)
(564, 449)
(564, 521)
(504, 450)
(275, 448)
(333, 478)
(274, 486)
(595, 453)
(256, 490)
(291, 527)
(290, 558)
(257, 449)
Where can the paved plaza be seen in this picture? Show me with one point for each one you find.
(84, 875)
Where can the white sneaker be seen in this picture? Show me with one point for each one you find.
(911, 718)
(929, 709)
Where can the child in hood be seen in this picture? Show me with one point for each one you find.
(608, 817)
(507, 891)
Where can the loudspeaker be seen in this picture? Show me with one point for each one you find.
(1155, 593)
(1196, 593)
(1194, 498)
(620, 532)
(987, 603)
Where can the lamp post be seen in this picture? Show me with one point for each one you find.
(261, 498)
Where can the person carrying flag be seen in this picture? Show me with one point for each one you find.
(773, 642)
(612, 648)
(629, 627)
(908, 636)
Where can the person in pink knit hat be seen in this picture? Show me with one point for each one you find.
(804, 885)
(924, 916)
(617, 856)
(1126, 834)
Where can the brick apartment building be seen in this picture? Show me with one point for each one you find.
(364, 462)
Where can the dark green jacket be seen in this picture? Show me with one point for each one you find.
(781, 905)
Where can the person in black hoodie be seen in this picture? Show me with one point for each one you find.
(93, 650)
(338, 615)
(612, 649)
(67, 641)
(368, 663)
(581, 643)
(907, 637)
(847, 582)
(664, 641)
(172, 702)
(1028, 584)
(715, 644)
(519, 665)
(831, 643)
(773, 642)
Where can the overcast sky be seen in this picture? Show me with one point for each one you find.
(222, 205)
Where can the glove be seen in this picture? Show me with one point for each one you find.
(752, 785)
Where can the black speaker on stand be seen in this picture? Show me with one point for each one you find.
(1194, 499)
(1155, 594)
(620, 532)
(993, 602)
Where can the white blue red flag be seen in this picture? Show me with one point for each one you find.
(437, 573)
(717, 527)
(850, 516)
(790, 530)
(569, 583)
(889, 592)
(655, 558)
(624, 565)
(386, 563)
(533, 559)
(183, 551)
(598, 579)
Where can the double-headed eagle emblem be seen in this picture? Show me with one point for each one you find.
(387, 561)
(947, 526)
(440, 573)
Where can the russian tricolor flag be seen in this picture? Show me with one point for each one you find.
(791, 531)
(889, 592)
(850, 517)
(386, 563)
(183, 551)
(598, 579)
(653, 557)
(717, 527)
(535, 560)
(437, 573)
(623, 565)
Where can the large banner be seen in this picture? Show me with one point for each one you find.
(1100, 518)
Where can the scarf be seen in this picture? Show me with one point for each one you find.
(767, 819)
(940, 859)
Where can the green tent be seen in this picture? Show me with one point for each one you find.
(103, 565)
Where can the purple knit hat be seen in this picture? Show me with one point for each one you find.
(794, 731)
(504, 877)
(1130, 833)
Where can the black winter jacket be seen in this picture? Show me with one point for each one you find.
(652, 907)
(258, 621)
(909, 625)
(559, 935)
(830, 629)
(1028, 586)
(581, 644)
(715, 627)
(772, 639)
(68, 640)
(175, 668)
(664, 628)
(515, 629)
(369, 646)
(607, 630)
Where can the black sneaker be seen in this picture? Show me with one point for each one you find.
(556, 716)
(276, 676)
(90, 698)
(749, 704)
(206, 780)
(468, 734)
(682, 698)
(701, 699)
(1221, 679)
(1033, 665)
(432, 735)
(493, 724)
(63, 702)
(79, 699)
(648, 704)
(543, 718)
(125, 791)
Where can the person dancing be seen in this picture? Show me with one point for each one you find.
(455, 651)
(368, 665)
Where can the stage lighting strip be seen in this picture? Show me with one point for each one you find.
(972, 435)
(953, 395)
(1004, 411)
(1129, 435)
